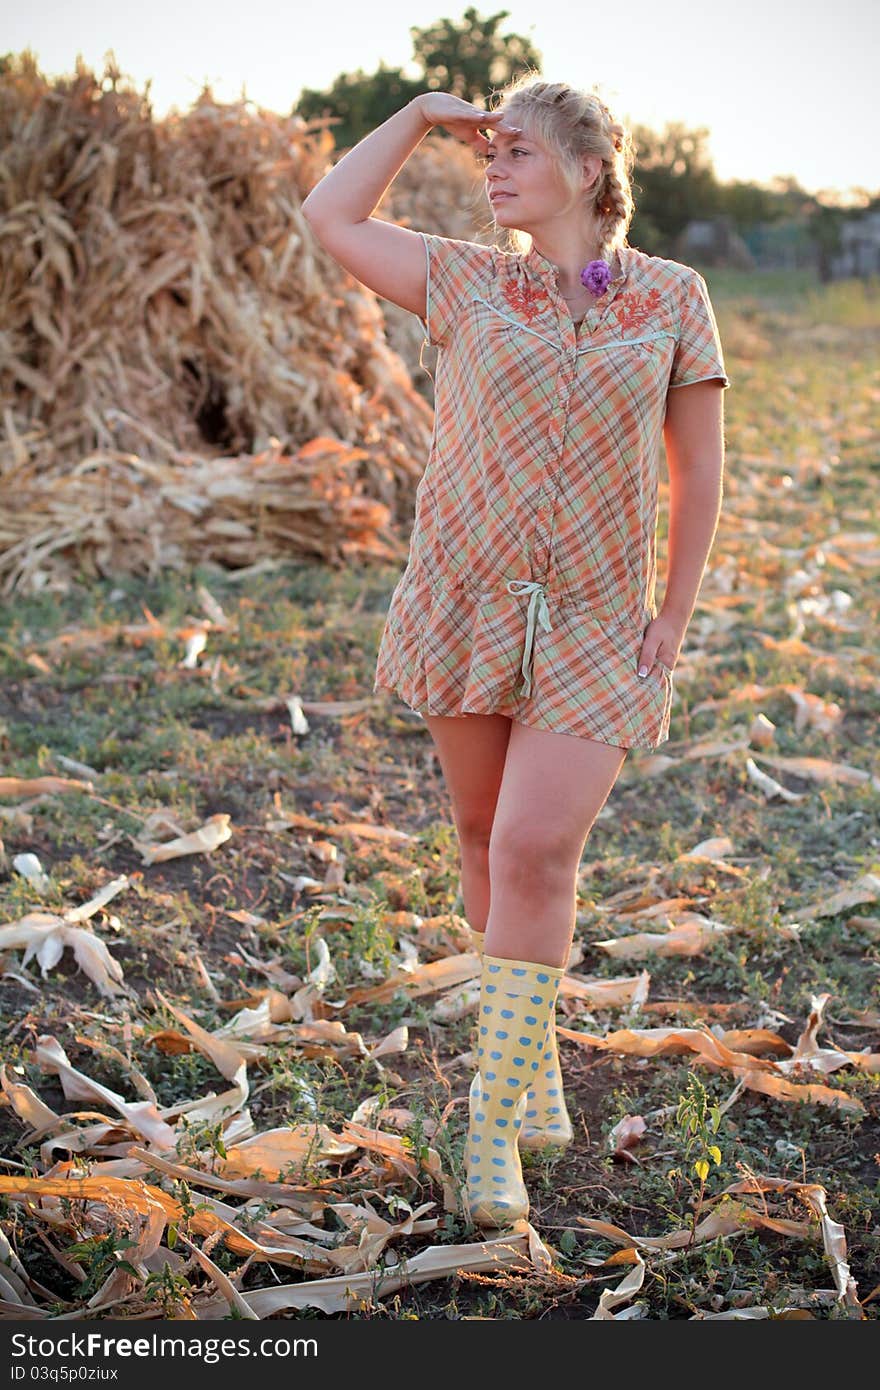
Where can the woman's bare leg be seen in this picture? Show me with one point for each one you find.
(472, 749)
(552, 788)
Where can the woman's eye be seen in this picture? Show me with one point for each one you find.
(487, 158)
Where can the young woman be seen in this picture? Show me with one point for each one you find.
(524, 627)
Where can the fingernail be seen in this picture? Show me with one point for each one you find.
(643, 670)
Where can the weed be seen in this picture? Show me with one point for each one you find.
(698, 1120)
(100, 1257)
(172, 1291)
(198, 1138)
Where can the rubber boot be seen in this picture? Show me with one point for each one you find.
(517, 1000)
(546, 1122)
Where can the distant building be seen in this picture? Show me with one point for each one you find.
(859, 252)
(713, 241)
(785, 244)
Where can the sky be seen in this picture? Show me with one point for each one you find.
(785, 89)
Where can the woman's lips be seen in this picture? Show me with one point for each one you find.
(496, 197)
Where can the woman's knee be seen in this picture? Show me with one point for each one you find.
(531, 859)
(474, 833)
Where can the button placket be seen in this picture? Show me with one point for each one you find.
(554, 450)
(551, 463)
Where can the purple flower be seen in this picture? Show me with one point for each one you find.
(596, 277)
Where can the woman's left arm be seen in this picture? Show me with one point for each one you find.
(693, 433)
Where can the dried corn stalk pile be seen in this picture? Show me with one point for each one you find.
(185, 374)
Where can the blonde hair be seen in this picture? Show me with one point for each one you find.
(574, 124)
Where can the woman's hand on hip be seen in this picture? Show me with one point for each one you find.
(661, 643)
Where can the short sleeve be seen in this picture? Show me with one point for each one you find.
(698, 355)
(456, 270)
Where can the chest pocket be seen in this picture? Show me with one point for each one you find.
(643, 361)
(498, 336)
(638, 345)
(504, 325)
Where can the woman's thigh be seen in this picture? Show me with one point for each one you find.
(472, 749)
(552, 789)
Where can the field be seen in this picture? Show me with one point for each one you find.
(302, 971)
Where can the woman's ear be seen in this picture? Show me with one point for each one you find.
(592, 167)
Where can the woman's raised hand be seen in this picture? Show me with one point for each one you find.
(461, 118)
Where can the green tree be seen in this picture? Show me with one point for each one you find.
(673, 182)
(358, 102)
(467, 58)
(824, 224)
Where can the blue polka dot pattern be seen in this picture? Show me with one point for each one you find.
(539, 1128)
(499, 1099)
(547, 1121)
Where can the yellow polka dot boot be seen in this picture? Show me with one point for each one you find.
(517, 1000)
(546, 1122)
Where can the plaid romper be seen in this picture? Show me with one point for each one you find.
(532, 561)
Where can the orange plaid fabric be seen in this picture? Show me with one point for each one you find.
(532, 561)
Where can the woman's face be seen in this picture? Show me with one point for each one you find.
(524, 185)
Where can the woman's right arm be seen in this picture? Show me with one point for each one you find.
(387, 258)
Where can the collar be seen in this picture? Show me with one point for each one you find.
(547, 270)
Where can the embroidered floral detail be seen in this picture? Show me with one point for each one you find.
(526, 299)
(635, 310)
